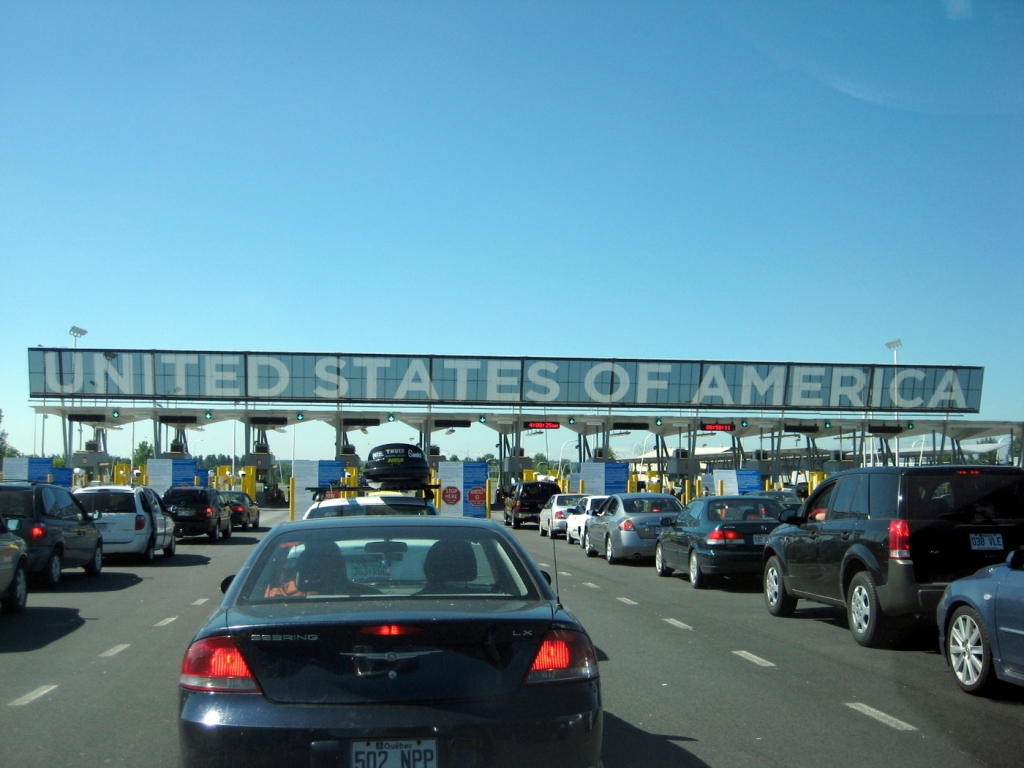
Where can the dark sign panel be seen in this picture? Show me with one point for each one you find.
(519, 381)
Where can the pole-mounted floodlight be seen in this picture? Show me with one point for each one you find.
(77, 333)
(895, 346)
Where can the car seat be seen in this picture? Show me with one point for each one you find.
(449, 566)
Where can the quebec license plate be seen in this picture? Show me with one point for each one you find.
(987, 541)
(394, 753)
(760, 538)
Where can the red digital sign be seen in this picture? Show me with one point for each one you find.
(714, 426)
(542, 425)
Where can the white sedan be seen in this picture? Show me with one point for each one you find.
(576, 523)
(553, 514)
(131, 519)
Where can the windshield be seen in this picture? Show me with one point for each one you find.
(567, 500)
(366, 563)
(967, 495)
(538, 492)
(653, 506)
(107, 501)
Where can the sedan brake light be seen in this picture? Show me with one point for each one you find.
(519, 505)
(216, 664)
(237, 508)
(559, 514)
(626, 525)
(563, 655)
(37, 531)
(899, 540)
(388, 630)
(140, 522)
(723, 535)
(209, 511)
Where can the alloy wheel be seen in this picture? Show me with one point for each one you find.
(860, 609)
(966, 650)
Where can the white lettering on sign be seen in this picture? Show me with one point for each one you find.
(897, 382)
(180, 363)
(646, 379)
(372, 365)
(256, 362)
(462, 369)
(713, 385)
(853, 392)
(775, 381)
(807, 390)
(328, 370)
(495, 381)
(416, 379)
(533, 374)
(619, 376)
(948, 391)
(105, 368)
(217, 379)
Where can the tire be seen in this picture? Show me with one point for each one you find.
(778, 601)
(868, 625)
(245, 522)
(659, 562)
(52, 571)
(256, 523)
(515, 523)
(171, 548)
(504, 518)
(16, 596)
(587, 547)
(969, 652)
(150, 554)
(609, 552)
(226, 533)
(698, 579)
(213, 535)
(540, 529)
(95, 566)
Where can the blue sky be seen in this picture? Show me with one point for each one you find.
(724, 180)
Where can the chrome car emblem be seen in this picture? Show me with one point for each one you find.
(390, 655)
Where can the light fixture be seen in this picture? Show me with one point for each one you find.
(116, 414)
(208, 415)
(77, 333)
(391, 417)
(483, 419)
(450, 431)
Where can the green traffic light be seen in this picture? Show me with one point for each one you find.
(116, 414)
(300, 416)
(208, 415)
(483, 419)
(391, 417)
(744, 423)
(572, 420)
(910, 425)
(658, 422)
(828, 425)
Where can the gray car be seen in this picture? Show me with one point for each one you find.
(627, 525)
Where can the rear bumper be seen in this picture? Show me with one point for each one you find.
(193, 527)
(723, 562)
(220, 730)
(902, 595)
(629, 544)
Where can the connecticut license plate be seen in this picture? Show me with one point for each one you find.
(986, 541)
(760, 538)
(395, 753)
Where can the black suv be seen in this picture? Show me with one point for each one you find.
(197, 511)
(884, 542)
(57, 529)
(524, 502)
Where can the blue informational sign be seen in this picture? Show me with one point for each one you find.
(474, 489)
(183, 472)
(204, 476)
(62, 476)
(748, 480)
(616, 478)
(330, 472)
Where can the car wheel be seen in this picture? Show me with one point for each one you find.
(969, 652)
(540, 528)
(95, 566)
(568, 537)
(698, 579)
(870, 627)
(149, 555)
(515, 522)
(52, 571)
(171, 548)
(591, 552)
(659, 562)
(214, 534)
(609, 552)
(226, 533)
(17, 593)
(256, 522)
(245, 522)
(776, 598)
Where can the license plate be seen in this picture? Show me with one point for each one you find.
(987, 541)
(405, 753)
(760, 538)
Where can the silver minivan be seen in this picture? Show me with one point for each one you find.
(133, 520)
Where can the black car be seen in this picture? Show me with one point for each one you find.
(57, 529)
(884, 542)
(360, 641)
(523, 504)
(244, 511)
(198, 511)
(717, 536)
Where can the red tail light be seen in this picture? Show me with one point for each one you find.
(216, 664)
(37, 531)
(209, 511)
(140, 522)
(626, 525)
(238, 508)
(387, 630)
(559, 514)
(899, 540)
(519, 505)
(563, 655)
(724, 535)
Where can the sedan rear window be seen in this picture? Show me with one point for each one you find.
(185, 496)
(967, 495)
(655, 506)
(107, 501)
(367, 562)
(540, 491)
(567, 500)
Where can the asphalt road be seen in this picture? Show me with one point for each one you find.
(88, 674)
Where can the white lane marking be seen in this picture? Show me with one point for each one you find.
(756, 659)
(563, 573)
(881, 717)
(543, 565)
(30, 697)
(200, 601)
(626, 600)
(165, 622)
(592, 586)
(677, 623)
(115, 650)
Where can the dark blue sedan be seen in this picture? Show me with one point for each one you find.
(981, 626)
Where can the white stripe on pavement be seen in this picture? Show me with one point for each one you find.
(592, 586)
(115, 650)
(677, 623)
(881, 717)
(30, 697)
(756, 659)
(626, 600)
(165, 622)
(200, 601)
(543, 565)
(563, 573)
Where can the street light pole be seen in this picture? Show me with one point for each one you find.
(895, 346)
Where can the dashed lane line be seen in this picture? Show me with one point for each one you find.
(755, 659)
(200, 601)
(563, 573)
(28, 698)
(677, 623)
(165, 622)
(881, 717)
(115, 650)
(589, 584)
(626, 600)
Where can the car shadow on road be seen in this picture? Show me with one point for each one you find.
(180, 560)
(235, 541)
(108, 581)
(626, 746)
(37, 627)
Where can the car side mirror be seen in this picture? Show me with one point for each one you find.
(88, 517)
(790, 517)
(226, 583)
(1016, 560)
(14, 524)
(547, 576)
(667, 521)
